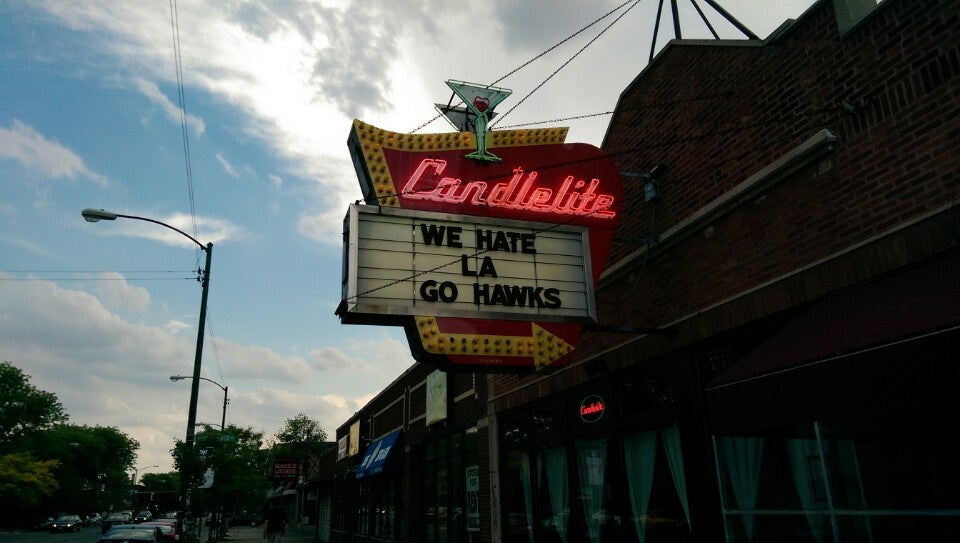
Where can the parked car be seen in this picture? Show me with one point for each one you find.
(168, 529)
(67, 523)
(142, 516)
(120, 533)
(92, 519)
(244, 518)
(43, 525)
(112, 519)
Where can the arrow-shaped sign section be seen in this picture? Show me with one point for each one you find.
(540, 345)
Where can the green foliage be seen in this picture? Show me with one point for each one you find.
(159, 492)
(239, 463)
(301, 437)
(23, 408)
(92, 465)
(25, 479)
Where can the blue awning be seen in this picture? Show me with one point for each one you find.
(378, 455)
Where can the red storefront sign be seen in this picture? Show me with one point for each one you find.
(539, 180)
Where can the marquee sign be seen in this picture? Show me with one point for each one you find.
(488, 264)
(421, 263)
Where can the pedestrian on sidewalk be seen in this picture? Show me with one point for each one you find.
(276, 524)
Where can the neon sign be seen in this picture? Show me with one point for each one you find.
(576, 197)
(592, 408)
(488, 262)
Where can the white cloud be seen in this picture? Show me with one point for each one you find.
(117, 293)
(175, 327)
(376, 356)
(111, 372)
(26, 244)
(25, 145)
(227, 167)
(203, 229)
(174, 113)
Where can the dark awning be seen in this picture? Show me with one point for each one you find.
(910, 305)
(378, 455)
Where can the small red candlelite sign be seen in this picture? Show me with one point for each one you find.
(592, 408)
(488, 265)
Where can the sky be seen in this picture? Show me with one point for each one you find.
(251, 156)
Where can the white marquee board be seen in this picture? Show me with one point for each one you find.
(404, 262)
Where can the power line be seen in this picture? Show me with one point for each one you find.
(181, 97)
(565, 64)
(725, 94)
(125, 279)
(541, 54)
(97, 271)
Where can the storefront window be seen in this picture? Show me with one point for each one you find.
(571, 475)
(517, 498)
(430, 493)
(451, 479)
(890, 479)
(340, 507)
(379, 506)
(592, 471)
(384, 507)
(554, 495)
(656, 485)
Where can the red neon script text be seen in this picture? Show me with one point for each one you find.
(574, 197)
(591, 409)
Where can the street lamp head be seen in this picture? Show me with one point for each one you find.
(94, 215)
(175, 378)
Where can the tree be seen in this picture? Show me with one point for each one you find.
(23, 408)
(304, 440)
(300, 437)
(160, 492)
(238, 461)
(92, 465)
(24, 479)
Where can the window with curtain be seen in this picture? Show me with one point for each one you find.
(656, 485)
(554, 496)
(592, 472)
(883, 479)
(517, 498)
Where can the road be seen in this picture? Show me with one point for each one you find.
(89, 534)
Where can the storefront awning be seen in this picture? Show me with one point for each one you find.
(379, 454)
(910, 305)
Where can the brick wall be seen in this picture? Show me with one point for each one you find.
(714, 114)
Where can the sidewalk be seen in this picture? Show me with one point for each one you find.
(249, 534)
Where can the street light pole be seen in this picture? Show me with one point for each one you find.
(223, 425)
(223, 417)
(138, 470)
(94, 215)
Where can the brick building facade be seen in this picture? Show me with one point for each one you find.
(778, 320)
(797, 263)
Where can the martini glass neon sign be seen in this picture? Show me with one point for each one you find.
(480, 99)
